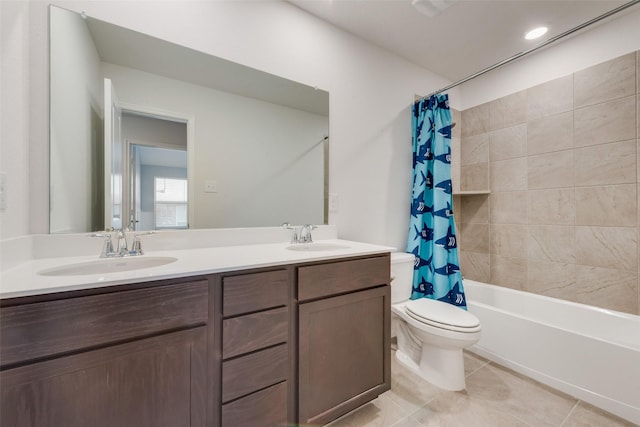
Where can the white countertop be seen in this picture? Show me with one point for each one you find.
(24, 280)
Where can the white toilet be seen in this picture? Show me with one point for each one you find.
(431, 334)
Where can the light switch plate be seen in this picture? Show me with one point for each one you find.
(333, 202)
(3, 191)
(210, 186)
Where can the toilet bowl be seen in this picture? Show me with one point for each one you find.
(431, 334)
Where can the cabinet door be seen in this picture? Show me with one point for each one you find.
(159, 381)
(344, 353)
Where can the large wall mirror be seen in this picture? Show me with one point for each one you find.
(147, 134)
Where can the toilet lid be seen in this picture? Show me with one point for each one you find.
(442, 315)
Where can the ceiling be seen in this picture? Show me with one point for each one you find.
(154, 156)
(464, 38)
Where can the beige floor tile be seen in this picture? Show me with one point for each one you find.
(586, 415)
(380, 412)
(409, 391)
(473, 362)
(516, 396)
(462, 409)
(495, 397)
(408, 422)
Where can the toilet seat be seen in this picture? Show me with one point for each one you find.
(442, 315)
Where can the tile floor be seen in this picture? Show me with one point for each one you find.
(495, 397)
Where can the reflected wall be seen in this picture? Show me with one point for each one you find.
(266, 154)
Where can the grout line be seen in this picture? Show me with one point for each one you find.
(570, 413)
(414, 422)
(484, 364)
(403, 409)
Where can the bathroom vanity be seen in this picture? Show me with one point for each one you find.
(298, 342)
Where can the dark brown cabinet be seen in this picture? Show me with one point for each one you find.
(255, 349)
(302, 343)
(343, 339)
(128, 358)
(152, 382)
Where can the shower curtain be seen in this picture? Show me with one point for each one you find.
(432, 231)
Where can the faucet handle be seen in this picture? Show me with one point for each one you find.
(107, 246)
(122, 248)
(294, 232)
(136, 246)
(305, 233)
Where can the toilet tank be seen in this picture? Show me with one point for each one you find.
(402, 276)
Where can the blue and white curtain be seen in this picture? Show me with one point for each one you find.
(432, 230)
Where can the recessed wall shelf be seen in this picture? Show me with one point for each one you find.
(471, 193)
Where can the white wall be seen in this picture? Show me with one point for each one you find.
(370, 94)
(76, 103)
(371, 91)
(615, 37)
(157, 131)
(14, 116)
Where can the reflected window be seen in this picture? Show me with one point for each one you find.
(170, 203)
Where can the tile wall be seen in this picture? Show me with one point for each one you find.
(561, 160)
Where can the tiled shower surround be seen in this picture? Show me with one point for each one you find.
(561, 161)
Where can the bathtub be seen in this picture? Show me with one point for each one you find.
(587, 352)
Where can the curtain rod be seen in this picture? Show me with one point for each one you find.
(533, 49)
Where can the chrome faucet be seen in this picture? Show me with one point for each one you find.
(107, 246)
(302, 234)
(305, 233)
(294, 232)
(136, 246)
(122, 248)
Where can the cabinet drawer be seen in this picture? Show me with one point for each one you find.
(254, 292)
(254, 331)
(266, 408)
(323, 280)
(255, 371)
(36, 330)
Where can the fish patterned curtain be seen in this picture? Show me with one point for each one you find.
(432, 230)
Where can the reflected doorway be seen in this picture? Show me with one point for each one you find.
(156, 177)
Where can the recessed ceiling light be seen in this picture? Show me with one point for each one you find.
(535, 33)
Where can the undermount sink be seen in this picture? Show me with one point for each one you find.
(313, 247)
(107, 265)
